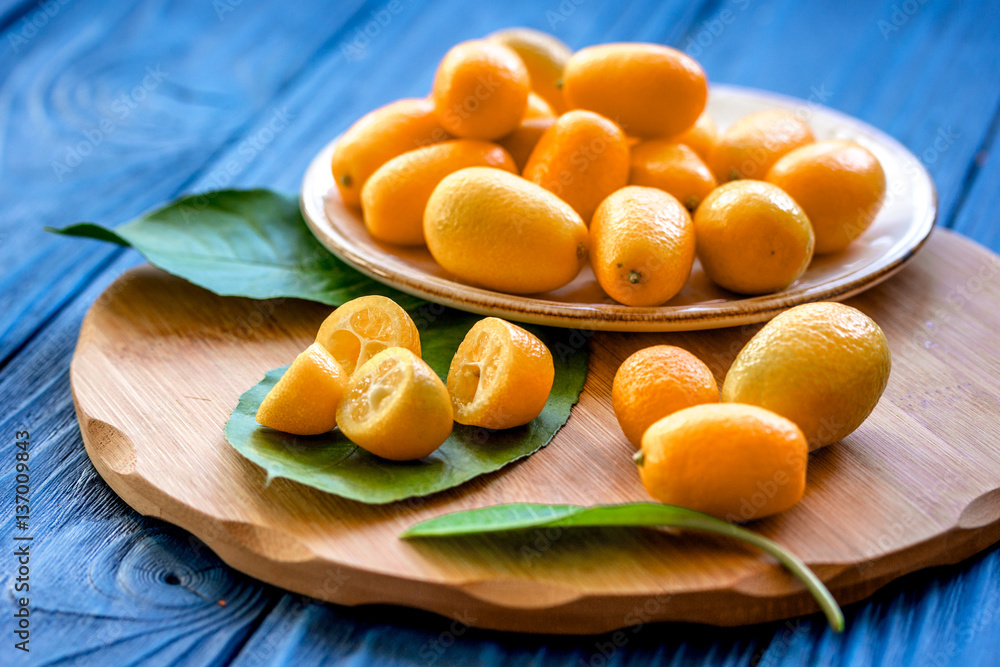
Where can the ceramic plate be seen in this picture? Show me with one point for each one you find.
(901, 227)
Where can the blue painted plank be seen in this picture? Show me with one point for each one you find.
(106, 114)
(978, 215)
(107, 585)
(931, 83)
(894, 83)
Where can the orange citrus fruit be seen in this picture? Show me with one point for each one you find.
(650, 90)
(395, 406)
(752, 238)
(839, 184)
(394, 198)
(749, 147)
(522, 141)
(582, 158)
(363, 327)
(701, 137)
(304, 400)
(823, 365)
(642, 246)
(537, 108)
(655, 382)
(544, 56)
(480, 90)
(736, 462)
(497, 230)
(500, 377)
(671, 167)
(379, 136)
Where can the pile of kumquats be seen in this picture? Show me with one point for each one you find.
(526, 162)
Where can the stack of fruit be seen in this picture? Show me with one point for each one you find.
(364, 375)
(528, 160)
(525, 161)
(806, 380)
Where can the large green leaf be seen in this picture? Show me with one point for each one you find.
(331, 463)
(519, 516)
(250, 243)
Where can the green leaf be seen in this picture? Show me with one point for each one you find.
(249, 243)
(333, 464)
(519, 516)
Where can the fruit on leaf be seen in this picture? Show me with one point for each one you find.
(396, 407)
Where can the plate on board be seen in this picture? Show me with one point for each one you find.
(901, 227)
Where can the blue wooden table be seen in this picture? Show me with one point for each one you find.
(109, 109)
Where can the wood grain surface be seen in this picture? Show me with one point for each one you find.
(160, 364)
(114, 587)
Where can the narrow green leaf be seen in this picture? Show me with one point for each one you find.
(250, 243)
(333, 464)
(518, 516)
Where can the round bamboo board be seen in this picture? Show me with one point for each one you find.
(160, 364)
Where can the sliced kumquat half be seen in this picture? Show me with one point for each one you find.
(396, 407)
(360, 329)
(500, 377)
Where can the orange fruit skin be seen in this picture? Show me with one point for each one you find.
(650, 90)
(839, 184)
(394, 198)
(545, 57)
(480, 90)
(750, 146)
(522, 141)
(701, 137)
(582, 158)
(752, 238)
(672, 167)
(497, 230)
(735, 462)
(500, 377)
(304, 400)
(379, 136)
(361, 328)
(642, 246)
(537, 108)
(823, 365)
(655, 382)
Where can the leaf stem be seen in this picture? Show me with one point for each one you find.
(520, 516)
(827, 603)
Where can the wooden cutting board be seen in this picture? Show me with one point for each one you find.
(160, 364)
